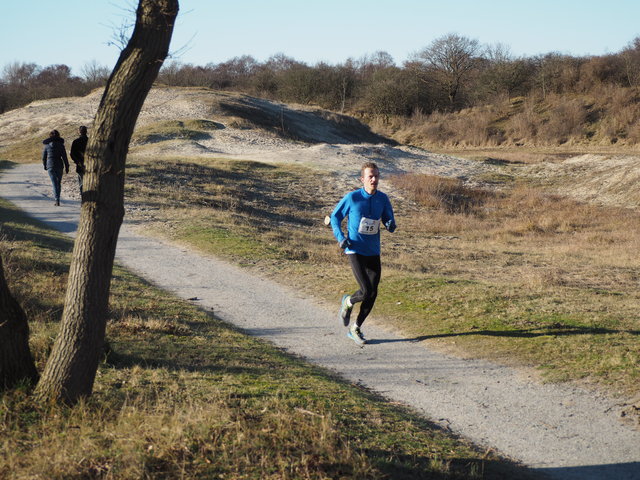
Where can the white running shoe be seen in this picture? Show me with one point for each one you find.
(355, 334)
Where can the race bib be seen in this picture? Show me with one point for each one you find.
(369, 226)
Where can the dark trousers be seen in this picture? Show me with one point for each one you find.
(56, 180)
(80, 175)
(367, 271)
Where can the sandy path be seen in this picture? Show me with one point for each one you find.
(559, 430)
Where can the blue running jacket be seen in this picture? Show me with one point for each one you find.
(367, 213)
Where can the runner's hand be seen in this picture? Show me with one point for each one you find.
(390, 226)
(345, 243)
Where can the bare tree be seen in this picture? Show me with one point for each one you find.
(19, 74)
(448, 61)
(502, 74)
(631, 58)
(71, 368)
(16, 363)
(94, 73)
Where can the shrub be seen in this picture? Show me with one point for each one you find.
(447, 194)
(566, 121)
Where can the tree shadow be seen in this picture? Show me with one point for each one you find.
(244, 190)
(617, 471)
(388, 461)
(520, 333)
(411, 467)
(25, 228)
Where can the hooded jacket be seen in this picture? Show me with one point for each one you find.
(54, 155)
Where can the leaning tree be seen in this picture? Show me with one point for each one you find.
(71, 368)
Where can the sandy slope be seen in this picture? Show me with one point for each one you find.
(253, 129)
(329, 142)
(601, 179)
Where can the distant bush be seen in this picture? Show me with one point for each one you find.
(23, 83)
(565, 121)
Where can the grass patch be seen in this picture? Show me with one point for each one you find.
(514, 275)
(226, 242)
(175, 129)
(449, 194)
(246, 211)
(26, 150)
(182, 395)
(545, 328)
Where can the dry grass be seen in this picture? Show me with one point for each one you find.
(172, 129)
(25, 151)
(508, 267)
(604, 117)
(447, 194)
(182, 395)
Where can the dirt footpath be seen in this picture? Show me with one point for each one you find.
(559, 430)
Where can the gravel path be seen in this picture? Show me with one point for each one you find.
(559, 430)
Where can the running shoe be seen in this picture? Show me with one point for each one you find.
(345, 311)
(355, 334)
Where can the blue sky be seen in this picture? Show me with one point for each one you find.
(76, 32)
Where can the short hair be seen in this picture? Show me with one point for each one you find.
(366, 165)
(54, 133)
(83, 130)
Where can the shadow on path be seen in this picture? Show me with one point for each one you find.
(522, 333)
(614, 471)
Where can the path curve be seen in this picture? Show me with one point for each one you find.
(560, 430)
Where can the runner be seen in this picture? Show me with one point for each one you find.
(366, 208)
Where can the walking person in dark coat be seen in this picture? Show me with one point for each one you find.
(78, 147)
(54, 159)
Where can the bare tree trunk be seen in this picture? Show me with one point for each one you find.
(72, 366)
(16, 363)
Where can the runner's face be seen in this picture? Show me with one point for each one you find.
(370, 178)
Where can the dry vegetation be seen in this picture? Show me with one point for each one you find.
(182, 395)
(517, 275)
(601, 119)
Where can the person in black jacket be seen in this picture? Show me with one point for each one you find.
(54, 159)
(78, 147)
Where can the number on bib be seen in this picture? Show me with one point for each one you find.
(369, 226)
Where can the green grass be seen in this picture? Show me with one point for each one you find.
(180, 394)
(226, 242)
(546, 329)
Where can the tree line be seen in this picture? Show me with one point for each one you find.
(451, 74)
(22, 82)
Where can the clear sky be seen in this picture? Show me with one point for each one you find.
(75, 32)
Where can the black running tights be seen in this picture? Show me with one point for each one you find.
(367, 272)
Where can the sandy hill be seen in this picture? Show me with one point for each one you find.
(190, 122)
(194, 122)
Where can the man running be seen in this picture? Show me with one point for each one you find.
(366, 208)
